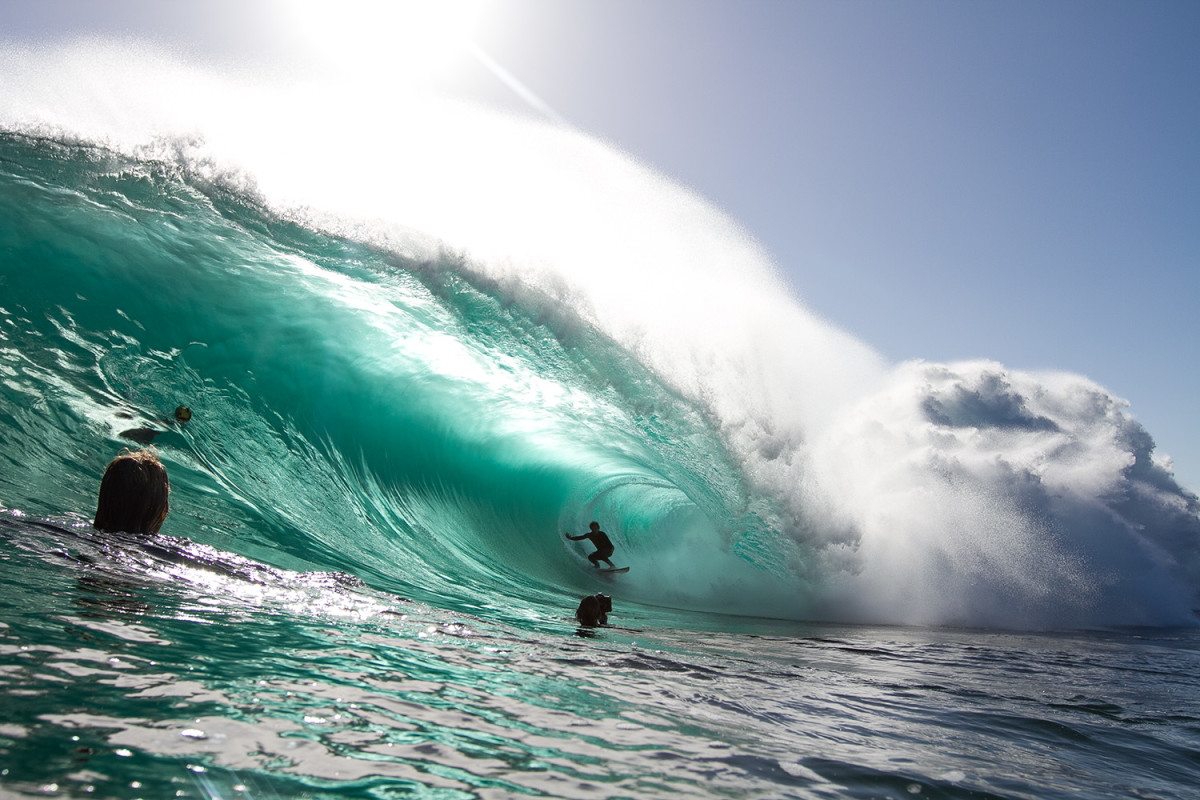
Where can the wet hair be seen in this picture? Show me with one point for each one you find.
(593, 610)
(133, 494)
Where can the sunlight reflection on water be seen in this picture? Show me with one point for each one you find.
(139, 675)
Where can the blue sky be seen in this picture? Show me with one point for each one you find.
(1017, 180)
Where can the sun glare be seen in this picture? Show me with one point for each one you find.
(411, 41)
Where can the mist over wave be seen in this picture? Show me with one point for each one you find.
(521, 314)
(985, 495)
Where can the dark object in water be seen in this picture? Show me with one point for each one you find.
(593, 610)
(134, 494)
(146, 435)
(140, 435)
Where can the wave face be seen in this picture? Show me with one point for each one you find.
(403, 368)
(405, 421)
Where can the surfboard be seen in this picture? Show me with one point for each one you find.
(614, 570)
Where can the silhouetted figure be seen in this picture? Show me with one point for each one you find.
(593, 610)
(604, 547)
(133, 494)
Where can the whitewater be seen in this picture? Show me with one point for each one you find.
(420, 341)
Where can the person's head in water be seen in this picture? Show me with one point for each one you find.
(182, 414)
(133, 494)
(595, 526)
(593, 610)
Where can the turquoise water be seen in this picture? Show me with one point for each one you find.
(362, 589)
(404, 421)
(163, 670)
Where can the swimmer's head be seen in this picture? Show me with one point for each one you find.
(594, 610)
(183, 413)
(133, 494)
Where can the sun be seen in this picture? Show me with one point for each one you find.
(405, 41)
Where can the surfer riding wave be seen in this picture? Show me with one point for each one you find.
(604, 546)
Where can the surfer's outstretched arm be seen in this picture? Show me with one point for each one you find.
(576, 538)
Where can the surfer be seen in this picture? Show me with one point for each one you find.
(604, 547)
(133, 494)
